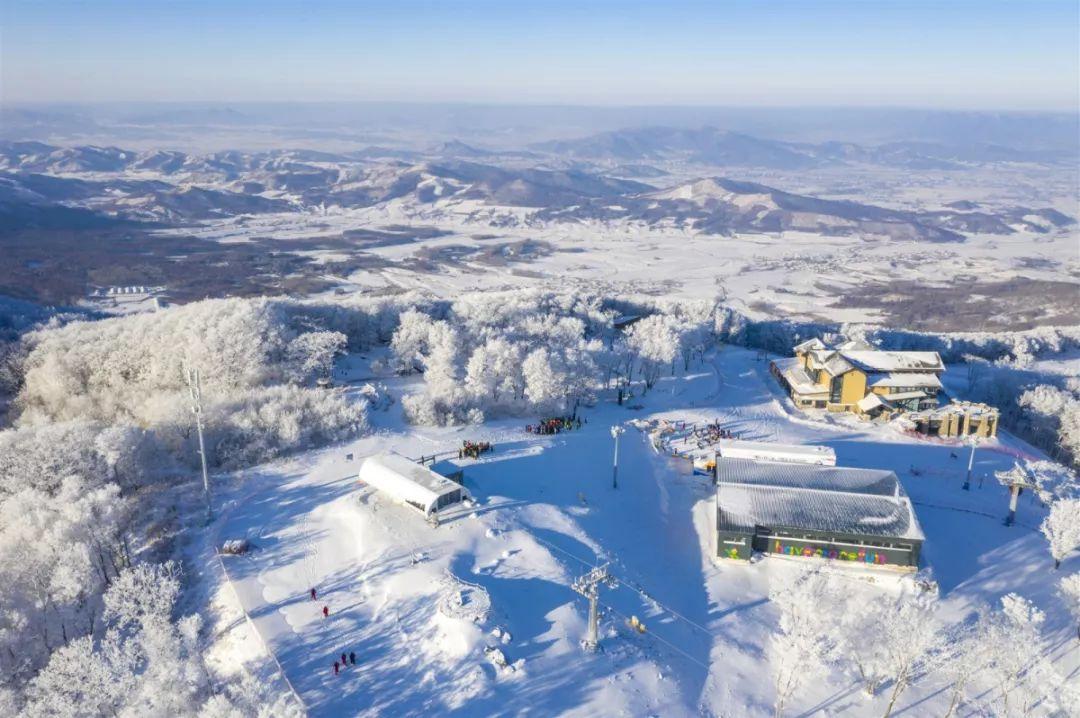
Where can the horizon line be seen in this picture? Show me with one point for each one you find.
(226, 104)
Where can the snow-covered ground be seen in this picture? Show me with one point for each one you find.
(790, 274)
(419, 605)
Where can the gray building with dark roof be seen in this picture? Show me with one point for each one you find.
(830, 512)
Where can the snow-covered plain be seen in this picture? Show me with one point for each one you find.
(786, 274)
(404, 595)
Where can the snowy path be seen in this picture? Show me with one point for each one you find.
(547, 513)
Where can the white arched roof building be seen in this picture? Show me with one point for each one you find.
(410, 483)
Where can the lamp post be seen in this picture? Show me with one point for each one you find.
(616, 431)
(971, 463)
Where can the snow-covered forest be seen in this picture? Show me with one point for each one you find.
(526, 352)
(886, 645)
(101, 444)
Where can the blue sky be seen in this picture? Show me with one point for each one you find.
(1018, 54)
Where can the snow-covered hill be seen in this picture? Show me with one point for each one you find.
(399, 592)
(174, 187)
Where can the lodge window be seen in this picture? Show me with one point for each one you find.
(835, 388)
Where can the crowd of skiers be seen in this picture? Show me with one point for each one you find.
(554, 425)
(711, 433)
(473, 449)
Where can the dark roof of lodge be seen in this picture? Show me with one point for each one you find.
(859, 502)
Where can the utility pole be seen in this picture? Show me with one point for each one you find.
(195, 388)
(589, 587)
(971, 462)
(616, 431)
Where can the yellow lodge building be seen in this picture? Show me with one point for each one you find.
(855, 377)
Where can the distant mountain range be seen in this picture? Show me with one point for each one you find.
(711, 146)
(706, 146)
(724, 206)
(47, 186)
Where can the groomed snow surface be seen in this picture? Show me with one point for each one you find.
(476, 617)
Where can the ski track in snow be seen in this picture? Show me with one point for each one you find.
(545, 513)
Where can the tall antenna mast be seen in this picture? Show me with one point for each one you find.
(195, 388)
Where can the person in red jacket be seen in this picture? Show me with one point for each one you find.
(325, 611)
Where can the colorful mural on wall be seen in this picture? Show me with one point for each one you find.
(865, 555)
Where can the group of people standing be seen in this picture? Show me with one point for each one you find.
(344, 662)
(473, 449)
(711, 433)
(554, 425)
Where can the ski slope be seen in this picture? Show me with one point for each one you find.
(419, 605)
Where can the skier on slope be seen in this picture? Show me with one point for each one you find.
(344, 660)
(352, 657)
(325, 611)
(312, 594)
(336, 669)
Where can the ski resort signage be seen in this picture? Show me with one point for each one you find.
(812, 550)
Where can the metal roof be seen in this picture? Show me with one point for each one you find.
(406, 480)
(818, 498)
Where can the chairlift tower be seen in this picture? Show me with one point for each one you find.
(195, 389)
(589, 587)
(1017, 478)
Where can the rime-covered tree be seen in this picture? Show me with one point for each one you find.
(655, 342)
(1069, 588)
(910, 635)
(58, 553)
(798, 648)
(311, 354)
(1053, 480)
(963, 658)
(885, 641)
(410, 341)
(1062, 528)
(145, 664)
(1015, 664)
